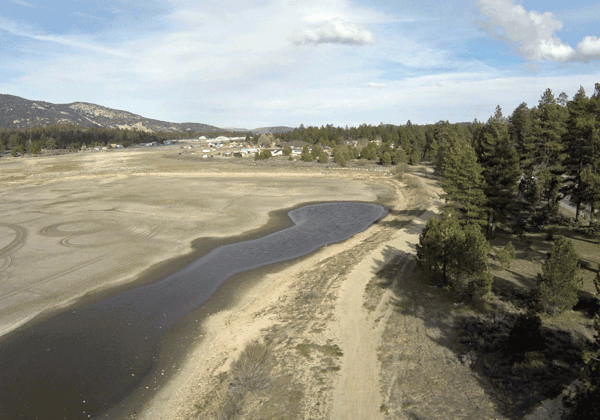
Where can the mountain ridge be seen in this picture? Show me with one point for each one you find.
(18, 113)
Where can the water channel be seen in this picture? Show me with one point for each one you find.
(81, 363)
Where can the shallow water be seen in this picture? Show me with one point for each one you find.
(80, 364)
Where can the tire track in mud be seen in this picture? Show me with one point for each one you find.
(30, 287)
(5, 253)
(69, 235)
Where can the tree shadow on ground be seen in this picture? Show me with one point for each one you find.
(516, 382)
(520, 296)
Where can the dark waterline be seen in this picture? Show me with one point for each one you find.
(81, 363)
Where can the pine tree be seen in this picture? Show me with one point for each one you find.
(323, 157)
(549, 127)
(306, 156)
(316, 151)
(436, 247)
(501, 172)
(589, 189)
(386, 159)
(463, 184)
(558, 285)
(579, 139)
(472, 254)
(457, 255)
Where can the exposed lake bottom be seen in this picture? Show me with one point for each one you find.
(84, 362)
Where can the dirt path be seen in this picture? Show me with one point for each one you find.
(357, 392)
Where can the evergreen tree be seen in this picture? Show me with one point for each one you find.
(444, 141)
(463, 184)
(415, 157)
(306, 156)
(501, 172)
(323, 157)
(316, 151)
(437, 245)
(471, 269)
(558, 285)
(581, 126)
(399, 156)
(506, 255)
(589, 189)
(386, 159)
(458, 256)
(369, 151)
(548, 129)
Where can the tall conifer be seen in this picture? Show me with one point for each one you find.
(581, 126)
(501, 172)
(549, 127)
(463, 183)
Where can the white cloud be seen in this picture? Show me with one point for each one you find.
(531, 30)
(335, 31)
(534, 33)
(377, 85)
(590, 46)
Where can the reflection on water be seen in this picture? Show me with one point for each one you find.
(83, 362)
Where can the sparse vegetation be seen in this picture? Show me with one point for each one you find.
(248, 374)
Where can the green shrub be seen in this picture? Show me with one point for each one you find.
(386, 159)
(506, 256)
(558, 285)
(264, 154)
(306, 155)
(323, 157)
(316, 151)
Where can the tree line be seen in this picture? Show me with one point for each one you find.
(73, 137)
(514, 172)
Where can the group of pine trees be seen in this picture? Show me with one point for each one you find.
(515, 172)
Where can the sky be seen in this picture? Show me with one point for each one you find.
(255, 63)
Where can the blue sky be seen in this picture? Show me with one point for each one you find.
(256, 63)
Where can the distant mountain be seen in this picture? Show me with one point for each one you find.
(17, 112)
(274, 130)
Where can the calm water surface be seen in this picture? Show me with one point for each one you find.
(83, 362)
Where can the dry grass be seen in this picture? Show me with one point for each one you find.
(249, 374)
